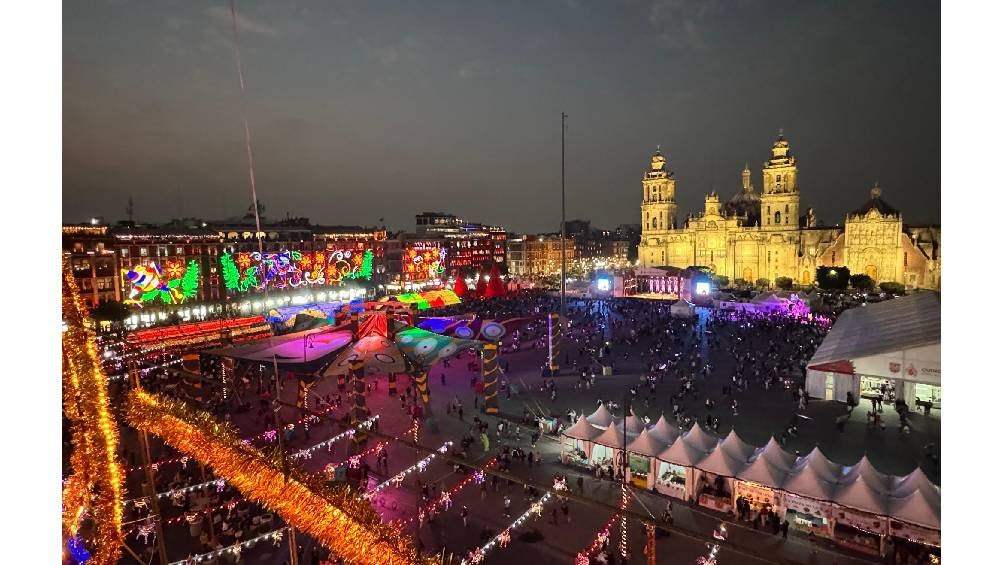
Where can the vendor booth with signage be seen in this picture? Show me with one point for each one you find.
(896, 342)
(687, 451)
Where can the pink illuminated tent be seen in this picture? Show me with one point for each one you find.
(646, 444)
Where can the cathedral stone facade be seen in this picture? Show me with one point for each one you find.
(765, 235)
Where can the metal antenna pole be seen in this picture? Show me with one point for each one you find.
(564, 118)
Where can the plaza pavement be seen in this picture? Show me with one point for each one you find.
(761, 413)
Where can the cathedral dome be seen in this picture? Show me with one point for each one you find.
(745, 206)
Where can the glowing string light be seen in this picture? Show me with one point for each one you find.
(399, 478)
(348, 527)
(478, 554)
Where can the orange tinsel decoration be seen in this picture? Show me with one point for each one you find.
(348, 527)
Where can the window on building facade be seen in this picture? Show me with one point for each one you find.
(777, 179)
(124, 252)
(904, 259)
(179, 251)
(777, 217)
(785, 208)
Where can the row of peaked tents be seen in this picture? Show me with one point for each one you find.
(912, 499)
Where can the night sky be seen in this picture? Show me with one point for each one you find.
(368, 110)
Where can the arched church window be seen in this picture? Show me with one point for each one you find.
(777, 179)
(785, 208)
(777, 217)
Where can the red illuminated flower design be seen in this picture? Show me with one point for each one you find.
(243, 260)
(174, 269)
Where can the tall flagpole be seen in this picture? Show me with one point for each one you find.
(564, 117)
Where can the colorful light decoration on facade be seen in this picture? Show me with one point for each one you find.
(171, 284)
(95, 487)
(291, 269)
(348, 527)
(423, 261)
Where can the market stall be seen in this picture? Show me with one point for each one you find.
(808, 490)
(861, 503)
(860, 531)
(679, 459)
(607, 448)
(717, 472)
(642, 459)
(578, 443)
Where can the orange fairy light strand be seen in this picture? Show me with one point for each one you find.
(95, 488)
(348, 527)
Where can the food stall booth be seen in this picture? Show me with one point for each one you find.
(860, 508)
(675, 476)
(577, 443)
(644, 465)
(808, 490)
(716, 474)
(915, 517)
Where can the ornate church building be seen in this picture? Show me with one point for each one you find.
(766, 235)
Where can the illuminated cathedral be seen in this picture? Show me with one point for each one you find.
(766, 235)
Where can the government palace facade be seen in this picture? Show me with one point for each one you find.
(766, 235)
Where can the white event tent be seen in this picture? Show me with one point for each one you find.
(897, 340)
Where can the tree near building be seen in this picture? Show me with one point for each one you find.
(762, 283)
(740, 283)
(720, 281)
(892, 287)
(862, 282)
(833, 278)
(784, 283)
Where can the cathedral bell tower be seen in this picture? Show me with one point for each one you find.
(779, 202)
(658, 203)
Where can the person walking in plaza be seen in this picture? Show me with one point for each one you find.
(463, 515)
(507, 502)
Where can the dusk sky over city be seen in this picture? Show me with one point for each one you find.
(368, 110)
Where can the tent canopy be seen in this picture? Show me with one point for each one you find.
(633, 423)
(763, 472)
(601, 417)
(646, 444)
(582, 430)
(302, 352)
(894, 338)
(664, 431)
(806, 480)
(722, 463)
(613, 437)
(690, 448)
(737, 448)
(917, 508)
